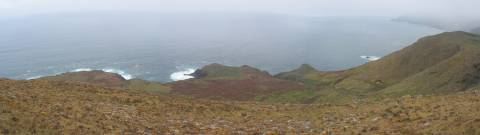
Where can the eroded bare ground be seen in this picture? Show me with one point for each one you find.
(46, 107)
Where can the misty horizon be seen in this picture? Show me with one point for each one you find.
(241, 67)
(156, 46)
(395, 8)
(139, 37)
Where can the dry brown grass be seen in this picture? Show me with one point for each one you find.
(46, 107)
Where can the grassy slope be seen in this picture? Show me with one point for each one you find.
(300, 75)
(411, 60)
(455, 73)
(92, 77)
(152, 87)
(305, 96)
(447, 62)
(50, 107)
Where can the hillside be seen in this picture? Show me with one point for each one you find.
(444, 63)
(300, 74)
(110, 80)
(217, 81)
(98, 77)
(57, 107)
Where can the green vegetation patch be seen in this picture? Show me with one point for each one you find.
(223, 72)
(150, 87)
(290, 97)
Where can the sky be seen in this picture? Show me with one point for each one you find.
(297, 7)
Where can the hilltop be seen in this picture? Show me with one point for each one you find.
(299, 74)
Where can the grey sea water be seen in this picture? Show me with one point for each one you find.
(153, 46)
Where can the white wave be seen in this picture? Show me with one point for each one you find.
(124, 74)
(40, 76)
(34, 77)
(183, 75)
(82, 70)
(370, 58)
(120, 72)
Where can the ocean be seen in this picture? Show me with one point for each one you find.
(164, 47)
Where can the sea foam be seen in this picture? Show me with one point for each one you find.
(82, 70)
(34, 77)
(122, 73)
(182, 75)
(370, 58)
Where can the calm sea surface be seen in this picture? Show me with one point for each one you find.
(153, 46)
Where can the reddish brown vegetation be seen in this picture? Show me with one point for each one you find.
(217, 81)
(246, 89)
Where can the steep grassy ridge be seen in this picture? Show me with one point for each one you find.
(444, 63)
